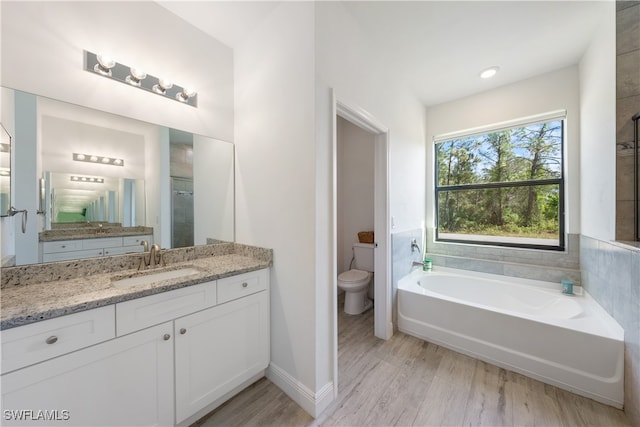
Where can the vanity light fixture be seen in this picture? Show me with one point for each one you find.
(89, 179)
(90, 158)
(134, 76)
(489, 72)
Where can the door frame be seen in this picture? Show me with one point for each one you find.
(383, 326)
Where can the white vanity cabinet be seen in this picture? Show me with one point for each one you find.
(63, 250)
(218, 350)
(164, 359)
(126, 381)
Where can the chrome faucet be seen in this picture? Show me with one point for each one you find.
(414, 245)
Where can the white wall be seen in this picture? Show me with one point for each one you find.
(275, 172)
(51, 36)
(558, 90)
(355, 170)
(349, 64)
(598, 130)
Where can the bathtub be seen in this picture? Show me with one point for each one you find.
(526, 326)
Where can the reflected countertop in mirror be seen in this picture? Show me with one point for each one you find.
(92, 231)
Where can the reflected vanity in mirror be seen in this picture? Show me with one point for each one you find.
(103, 183)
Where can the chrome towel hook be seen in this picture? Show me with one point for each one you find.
(12, 211)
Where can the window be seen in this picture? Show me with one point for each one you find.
(502, 186)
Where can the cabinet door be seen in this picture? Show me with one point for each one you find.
(125, 381)
(218, 349)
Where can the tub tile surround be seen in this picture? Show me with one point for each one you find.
(43, 291)
(402, 260)
(611, 274)
(549, 266)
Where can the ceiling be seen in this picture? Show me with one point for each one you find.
(426, 43)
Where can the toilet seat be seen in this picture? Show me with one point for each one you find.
(353, 277)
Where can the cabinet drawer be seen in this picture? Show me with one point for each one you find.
(141, 313)
(63, 256)
(136, 240)
(234, 287)
(62, 246)
(99, 243)
(36, 342)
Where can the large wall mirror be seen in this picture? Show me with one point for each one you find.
(91, 167)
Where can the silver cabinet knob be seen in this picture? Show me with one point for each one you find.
(245, 284)
(52, 339)
(166, 337)
(183, 331)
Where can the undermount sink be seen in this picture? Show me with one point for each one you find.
(146, 278)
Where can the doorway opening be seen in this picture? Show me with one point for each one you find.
(379, 135)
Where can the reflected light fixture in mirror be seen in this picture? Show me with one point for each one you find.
(134, 76)
(90, 158)
(92, 179)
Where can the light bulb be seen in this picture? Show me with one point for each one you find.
(136, 76)
(104, 65)
(93, 158)
(79, 156)
(185, 94)
(106, 160)
(162, 86)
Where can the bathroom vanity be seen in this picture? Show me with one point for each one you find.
(157, 353)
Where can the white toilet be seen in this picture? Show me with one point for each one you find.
(355, 282)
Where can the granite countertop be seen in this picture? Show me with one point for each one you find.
(33, 302)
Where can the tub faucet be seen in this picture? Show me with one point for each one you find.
(414, 245)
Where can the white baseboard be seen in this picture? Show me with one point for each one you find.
(313, 403)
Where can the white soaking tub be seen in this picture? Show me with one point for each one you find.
(527, 326)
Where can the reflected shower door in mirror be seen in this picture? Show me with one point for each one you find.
(5, 171)
(97, 167)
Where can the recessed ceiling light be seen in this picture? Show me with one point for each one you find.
(489, 72)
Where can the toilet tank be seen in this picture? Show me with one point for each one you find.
(363, 253)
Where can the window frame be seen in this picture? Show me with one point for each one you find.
(542, 118)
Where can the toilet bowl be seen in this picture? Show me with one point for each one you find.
(355, 284)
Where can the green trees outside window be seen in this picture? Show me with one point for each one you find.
(503, 188)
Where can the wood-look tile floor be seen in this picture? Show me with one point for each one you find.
(409, 382)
